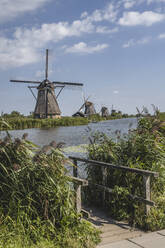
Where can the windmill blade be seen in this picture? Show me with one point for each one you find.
(33, 87)
(68, 83)
(27, 81)
(32, 91)
(85, 100)
(46, 68)
(62, 87)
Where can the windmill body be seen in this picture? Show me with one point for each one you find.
(89, 108)
(46, 100)
(46, 104)
(104, 112)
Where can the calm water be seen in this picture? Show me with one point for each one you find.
(75, 138)
(75, 135)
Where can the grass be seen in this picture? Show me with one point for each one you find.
(21, 122)
(143, 148)
(37, 201)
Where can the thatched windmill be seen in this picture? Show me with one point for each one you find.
(88, 107)
(46, 100)
(104, 111)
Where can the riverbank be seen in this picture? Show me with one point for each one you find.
(18, 123)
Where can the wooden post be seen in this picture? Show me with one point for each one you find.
(75, 171)
(104, 182)
(78, 197)
(147, 192)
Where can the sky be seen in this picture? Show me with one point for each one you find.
(116, 48)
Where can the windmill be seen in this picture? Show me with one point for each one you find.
(88, 107)
(46, 100)
(104, 111)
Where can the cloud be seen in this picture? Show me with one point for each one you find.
(116, 92)
(10, 9)
(161, 36)
(83, 48)
(22, 48)
(129, 3)
(106, 30)
(146, 18)
(133, 42)
(109, 13)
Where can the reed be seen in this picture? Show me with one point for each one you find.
(143, 148)
(37, 202)
(24, 123)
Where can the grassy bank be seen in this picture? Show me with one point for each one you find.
(16, 123)
(37, 202)
(23, 123)
(143, 148)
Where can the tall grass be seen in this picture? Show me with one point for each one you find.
(143, 148)
(23, 123)
(37, 201)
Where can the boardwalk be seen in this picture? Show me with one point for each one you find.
(112, 230)
(148, 240)
(117, 234)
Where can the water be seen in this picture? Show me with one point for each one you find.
(76, 138)
(75, 135)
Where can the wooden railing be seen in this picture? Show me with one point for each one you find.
(146, 174)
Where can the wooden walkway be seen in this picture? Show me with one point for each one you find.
(112, 231)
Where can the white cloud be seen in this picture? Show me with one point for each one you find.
(133, 42)
(10, 9)
(161, 36)
(146, 18)
(116, 92)
(83, 48)
(129, 3)
(22, 48)
(106, 30)
(109, 13)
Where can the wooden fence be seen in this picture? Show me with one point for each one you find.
(146, 198)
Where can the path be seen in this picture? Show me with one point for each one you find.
(117, 234)
(112, 231)
(148, 240)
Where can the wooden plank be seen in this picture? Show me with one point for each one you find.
(75, 169)
(136, 198)
(124, 168)
(104, 182)
(78, 197)
(79, 181)
(147, 192)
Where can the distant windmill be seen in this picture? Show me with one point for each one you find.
(104, 111)
(88, 107)
(46, 100)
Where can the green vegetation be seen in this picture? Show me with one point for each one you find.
(162, 116)
(17, 121)
(143, 148)
(23, 123)
(37, 202)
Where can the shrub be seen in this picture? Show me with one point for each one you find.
(37, 202)
(144, 148)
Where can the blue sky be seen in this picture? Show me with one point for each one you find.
(116, 48)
